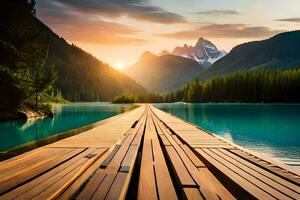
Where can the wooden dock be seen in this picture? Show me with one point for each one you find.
(145, 154)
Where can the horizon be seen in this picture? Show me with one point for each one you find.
(125, 29)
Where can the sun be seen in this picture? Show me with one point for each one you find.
(119, 65)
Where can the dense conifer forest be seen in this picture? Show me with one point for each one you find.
(81, 76)
(254, 86)
(38, 66)
(23, 53)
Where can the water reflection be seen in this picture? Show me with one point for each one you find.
(69, 116)
(269, 129)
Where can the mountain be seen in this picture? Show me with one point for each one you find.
(82, 77)
(279, 52)
(204, 52)
(163, 73)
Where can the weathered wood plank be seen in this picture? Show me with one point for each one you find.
(129, 159)
(147, 184)
(205, 181)
(192, 194)
(247, 186)
(268, 166)
(56, 172)
(196, 161)
(73, 188)
(181, 172)
(119, 187)
(280, 184)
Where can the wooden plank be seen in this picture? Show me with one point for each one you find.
(196, 161)
(164, 140)
(70, 191)
(111, 171)
(119, 187)
(15, 161)
(206, 181)
(192, 194)
(92, 186)
(29, 163)
(235, 178)
(214, 146)
(55, 185)
(180, 170)
(176, 139)
(137, 140)
(13, 180)
(56, 172)
(212, 184)
(164, 183)
(280, 184)
(147, 183)
(268, 166)
(55, 191)
(54, 180)
(110, 156)
(129, 159)
(248, 176)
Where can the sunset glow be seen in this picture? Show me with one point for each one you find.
(119, 65)
(125, 29)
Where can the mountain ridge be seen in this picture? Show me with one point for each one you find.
(204, 52)
(278, 52)
(163, 73)
(81, 76)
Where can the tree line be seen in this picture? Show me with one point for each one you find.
(23, 53)
(254, 86)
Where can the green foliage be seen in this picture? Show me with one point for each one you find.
(250, 86)
(126, 98)
(23, 51)
(138, 98)
(81, 76)
(279, 52)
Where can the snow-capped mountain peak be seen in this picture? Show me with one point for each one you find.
(204, 52)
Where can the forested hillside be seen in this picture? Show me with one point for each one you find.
(82, 77)
(255, 86)
(279, 52)
(23, 51)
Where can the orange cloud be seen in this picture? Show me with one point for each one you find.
(136, 9)
(88, 28)
(218, 12)
(224, 31)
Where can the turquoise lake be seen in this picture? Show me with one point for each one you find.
(67, 117)
(273, 130)
(269, 129)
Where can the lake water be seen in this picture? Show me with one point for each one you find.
(270, 129)
(67, 116)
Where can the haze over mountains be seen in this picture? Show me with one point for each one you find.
(163, 73)
(170, 71)
(81, 76)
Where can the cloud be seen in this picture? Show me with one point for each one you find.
(86, 27)
(218, 12)
(136, 9)
(224, 31)
(289, 20)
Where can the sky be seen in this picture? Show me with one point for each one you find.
(119, 31)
